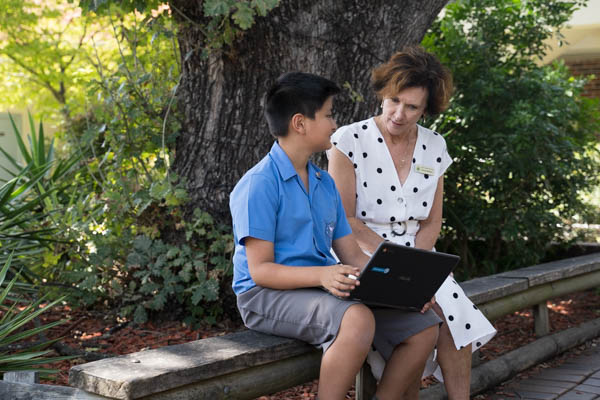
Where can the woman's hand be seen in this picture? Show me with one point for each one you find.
(429, 305)
(335, 279)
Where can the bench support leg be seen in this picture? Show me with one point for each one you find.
(542, 320)
(366, 384)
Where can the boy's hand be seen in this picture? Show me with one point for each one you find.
(335, 279)
(429, 305)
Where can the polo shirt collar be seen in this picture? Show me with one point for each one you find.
(285, 166)
(282, 161)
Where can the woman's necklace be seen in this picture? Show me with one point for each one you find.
(405, 152)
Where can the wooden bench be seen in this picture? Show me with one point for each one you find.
(247, 364)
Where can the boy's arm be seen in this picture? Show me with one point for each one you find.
(269, 274)
(348, 251)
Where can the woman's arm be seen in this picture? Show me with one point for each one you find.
(429, 230)
(342, 171)
(266, 273)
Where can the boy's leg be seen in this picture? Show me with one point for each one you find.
(344, 358)
(402, 374)
(344, 328)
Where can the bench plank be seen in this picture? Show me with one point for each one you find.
(487, 288)
(152, 371)
(250, 383)
(28, 391)
(556, 270)
(538, 294)
(22, 376)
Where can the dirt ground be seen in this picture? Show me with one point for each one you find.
(94, 332)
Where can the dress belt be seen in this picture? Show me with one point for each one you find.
(396, 229)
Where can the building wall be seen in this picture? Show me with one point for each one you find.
(586, 65)
(579, 46)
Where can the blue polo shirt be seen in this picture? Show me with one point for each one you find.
(271, 203)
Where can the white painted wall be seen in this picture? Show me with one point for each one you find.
(582, 35)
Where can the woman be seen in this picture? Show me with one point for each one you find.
(390, 173)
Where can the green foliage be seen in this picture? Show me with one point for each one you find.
(221, 22)
(36, 194)
(22, 228)
(150, 276)
(124, 240)
(522, 136)
(17, 313)
(228, 18)
(162, 277)
(22, 239)
(126, 132)
(43, 51)
(37, 158)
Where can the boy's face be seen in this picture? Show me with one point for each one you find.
(320, 129)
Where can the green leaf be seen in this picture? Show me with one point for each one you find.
(244, 15)
(159, 190)
(142, 244)
(173, 252)
(161, 261)
(186, 273)
(22, 147)
(213, 8)
(208, 290)
(159, 301)
(264, 6)
(140, 315)
(197, 295)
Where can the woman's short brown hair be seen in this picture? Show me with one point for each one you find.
(414, 67)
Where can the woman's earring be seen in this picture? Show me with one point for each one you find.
(381, 104)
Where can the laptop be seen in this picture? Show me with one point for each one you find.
(402, 277)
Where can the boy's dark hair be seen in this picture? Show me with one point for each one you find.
(295, 93)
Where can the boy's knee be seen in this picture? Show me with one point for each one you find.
(359, 321)
(361, 315)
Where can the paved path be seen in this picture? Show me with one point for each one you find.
(577, 378)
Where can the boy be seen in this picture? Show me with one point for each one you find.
(287, 215)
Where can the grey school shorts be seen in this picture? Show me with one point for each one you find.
(314, 316)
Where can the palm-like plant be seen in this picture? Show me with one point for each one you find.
(22, 237)
(14, 318)
(38, 157)
(19, 239)
(31, 197)
(20, 230)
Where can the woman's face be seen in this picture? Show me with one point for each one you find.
(402, 111)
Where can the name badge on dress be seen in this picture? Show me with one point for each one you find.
(422, 169)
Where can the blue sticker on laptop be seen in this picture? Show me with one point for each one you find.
(379, 269)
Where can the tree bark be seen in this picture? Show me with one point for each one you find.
(224, 132)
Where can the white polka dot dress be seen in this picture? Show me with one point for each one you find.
(393, 211)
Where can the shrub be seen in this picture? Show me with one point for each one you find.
(521, 135)
(181, 280)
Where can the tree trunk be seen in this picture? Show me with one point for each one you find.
(224, 132)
